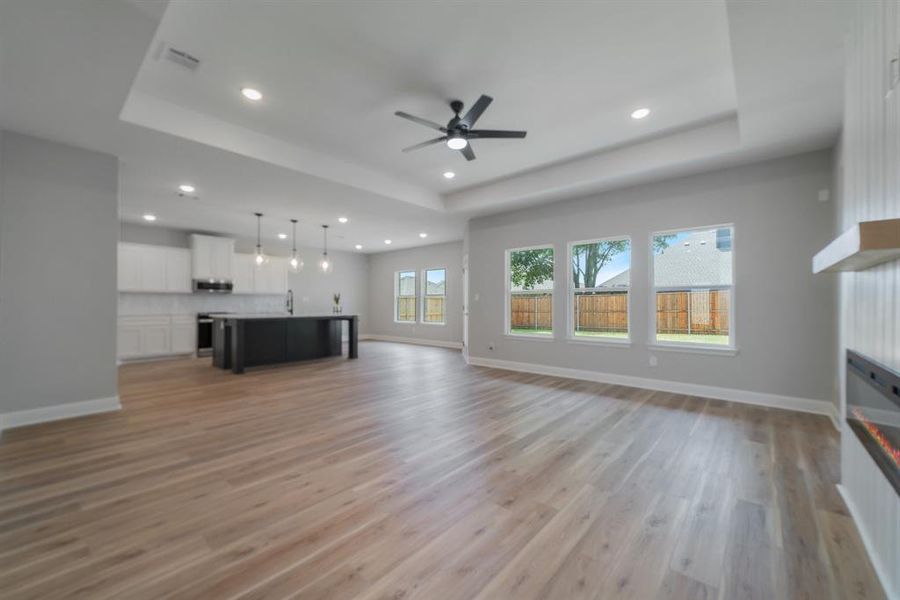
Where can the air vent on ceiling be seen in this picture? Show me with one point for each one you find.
(180, 57)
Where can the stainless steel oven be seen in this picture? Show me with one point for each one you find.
(204, 333)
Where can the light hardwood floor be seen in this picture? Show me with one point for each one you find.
(407, 474)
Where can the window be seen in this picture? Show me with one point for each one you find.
(692, 280)
(405, 299)
(529, 286)
(435, 296)
(599, 283)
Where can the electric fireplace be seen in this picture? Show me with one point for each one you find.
(873, 412)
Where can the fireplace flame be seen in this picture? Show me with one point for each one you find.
(878, 436)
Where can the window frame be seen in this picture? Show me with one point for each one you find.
(507, 284)
(425, 295)
(695, 347)
(570, 298)
(397, 296)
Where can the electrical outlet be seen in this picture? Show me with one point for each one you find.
(653, 361)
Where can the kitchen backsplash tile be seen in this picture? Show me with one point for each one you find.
(186, 304)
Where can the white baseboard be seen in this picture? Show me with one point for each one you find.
(835, 417)
(807, 405)
(874, 558)
(406, 340)
(60, 411)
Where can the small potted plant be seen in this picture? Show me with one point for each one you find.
(336, 309)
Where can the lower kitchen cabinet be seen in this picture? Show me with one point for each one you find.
(156, 335)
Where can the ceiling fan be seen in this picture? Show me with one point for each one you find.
(458, 130)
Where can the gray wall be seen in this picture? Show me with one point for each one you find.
(58, 230)
(784, 316)
(382, 268)
(312, 289)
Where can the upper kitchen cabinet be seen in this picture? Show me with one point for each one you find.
(157, 269)
(213, 257)
(269, 278)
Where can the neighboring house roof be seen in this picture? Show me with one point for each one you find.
(623, 279)
(694, 261)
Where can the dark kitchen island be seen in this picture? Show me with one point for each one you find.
(241, 341)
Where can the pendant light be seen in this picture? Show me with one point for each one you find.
(326, 264)
(260, 259)
(296, 261)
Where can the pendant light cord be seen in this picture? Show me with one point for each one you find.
(258, 233)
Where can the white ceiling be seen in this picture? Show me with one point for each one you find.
(727, 82)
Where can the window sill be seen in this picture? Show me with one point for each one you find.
(432, 323)
(535, 337)
(692, 349)
(616, 343)
(404, 322)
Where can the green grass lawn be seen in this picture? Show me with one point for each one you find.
(619, 335)
(693, 338)
(530, 331)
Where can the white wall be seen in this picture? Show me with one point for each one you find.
(58, 230)
(784, 316)
(869, 163)
(312, 289)
(382, 268)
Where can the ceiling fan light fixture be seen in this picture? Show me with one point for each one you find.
(251, 93)
(640, 113)
(457, 142)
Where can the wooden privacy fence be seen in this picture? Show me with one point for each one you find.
(531, 310)
(605, 312)
(682, 311)
(434, 309)
(692, 311)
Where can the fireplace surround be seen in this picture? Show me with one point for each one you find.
(873, 412)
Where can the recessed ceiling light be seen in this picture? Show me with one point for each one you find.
(449, 174)
(640, 113)
(149, 217)
(282, 236)
(457, 143)
(358, 246)
(423, 235)
(186, 188)
(251, 93)
(388, 242)
(343, 219)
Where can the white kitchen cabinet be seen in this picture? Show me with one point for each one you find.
(178, 270)
(128, 344)
(271, 278)
(153, 268)
(184, 334)
(244, 268)
(129, 267)
(212, 257)
(156, 269)
(156, 335)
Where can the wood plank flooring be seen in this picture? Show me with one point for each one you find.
(407, 474)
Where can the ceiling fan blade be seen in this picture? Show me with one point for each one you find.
(423, 144)
(468, 152)
(494, 133)
(420, 120)
(479, 107)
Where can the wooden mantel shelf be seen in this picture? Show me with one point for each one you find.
(862, 246)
